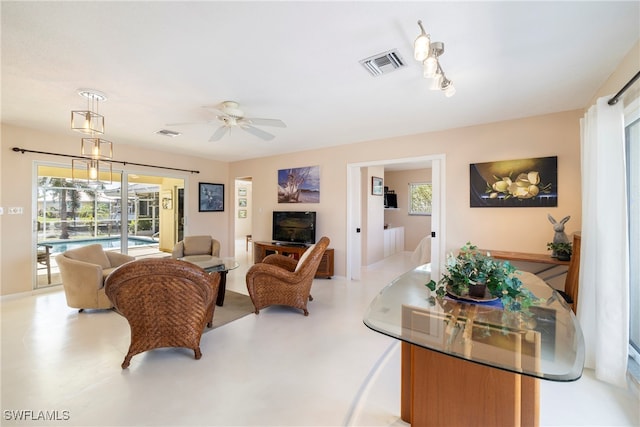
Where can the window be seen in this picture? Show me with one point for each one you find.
(420, 194)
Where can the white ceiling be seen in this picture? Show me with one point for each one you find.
(161, 62)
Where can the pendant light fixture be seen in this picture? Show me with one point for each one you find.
(428, 52)
(89, 121)
(95, 152)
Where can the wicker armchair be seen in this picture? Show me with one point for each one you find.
(280, 280)
(166, 302)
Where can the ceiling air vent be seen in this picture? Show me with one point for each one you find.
(169, 133)
(383, 63)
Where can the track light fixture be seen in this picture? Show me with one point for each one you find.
(428, 52)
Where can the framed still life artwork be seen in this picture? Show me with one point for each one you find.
(211, 197)
(514, 183)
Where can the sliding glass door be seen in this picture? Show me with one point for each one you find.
(633, 180)
(141, 221)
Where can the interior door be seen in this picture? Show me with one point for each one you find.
(180, 215)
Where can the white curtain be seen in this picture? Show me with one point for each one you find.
(603, 298)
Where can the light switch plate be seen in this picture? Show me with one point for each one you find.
(15, 211)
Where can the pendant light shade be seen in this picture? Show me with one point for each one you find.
(91, 170)
(96, 148)
(94, 151)
(87, 121)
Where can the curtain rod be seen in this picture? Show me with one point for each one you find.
(24, 150)
(615, 98)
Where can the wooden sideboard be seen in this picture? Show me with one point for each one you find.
(526, 257)
(262, 249)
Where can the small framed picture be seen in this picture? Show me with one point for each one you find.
(377, 188)
(242, 213)
(167, 201)
(242, 203)
(211, 197)
(242, 191)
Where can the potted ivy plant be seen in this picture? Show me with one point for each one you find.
(471, 268)
(560, 250)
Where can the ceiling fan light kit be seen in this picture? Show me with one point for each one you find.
(231, 116)
(428, 52)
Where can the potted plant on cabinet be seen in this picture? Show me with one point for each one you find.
(561, 250)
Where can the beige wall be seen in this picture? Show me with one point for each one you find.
(415, 226)
(515, 229)
(525, 229)
(17, 244)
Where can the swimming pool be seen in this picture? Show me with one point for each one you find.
(59, 246)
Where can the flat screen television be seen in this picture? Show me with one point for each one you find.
(294, 227)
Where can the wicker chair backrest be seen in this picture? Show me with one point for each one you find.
(163, 294)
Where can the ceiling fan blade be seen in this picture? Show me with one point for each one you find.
(258, 132)
(219, 133)
(267, 122)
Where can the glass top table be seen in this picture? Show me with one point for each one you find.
(212, 264)
(546, 344)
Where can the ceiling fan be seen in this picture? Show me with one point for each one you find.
(230, 116)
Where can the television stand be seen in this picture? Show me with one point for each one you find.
(291, 244)
(262, 249)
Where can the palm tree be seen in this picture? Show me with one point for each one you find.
(59, 187)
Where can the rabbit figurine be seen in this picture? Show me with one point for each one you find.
(560, 236)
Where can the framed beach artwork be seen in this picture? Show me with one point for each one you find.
(299, 185)
(514, 183)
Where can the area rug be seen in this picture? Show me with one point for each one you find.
(235, 306)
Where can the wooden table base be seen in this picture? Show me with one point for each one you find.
(441, 390)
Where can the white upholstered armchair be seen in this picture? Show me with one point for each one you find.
(196, 245)
(84, 271)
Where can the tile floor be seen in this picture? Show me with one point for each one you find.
(278, 368)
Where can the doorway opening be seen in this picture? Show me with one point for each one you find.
(242, 229)
(357, 192)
